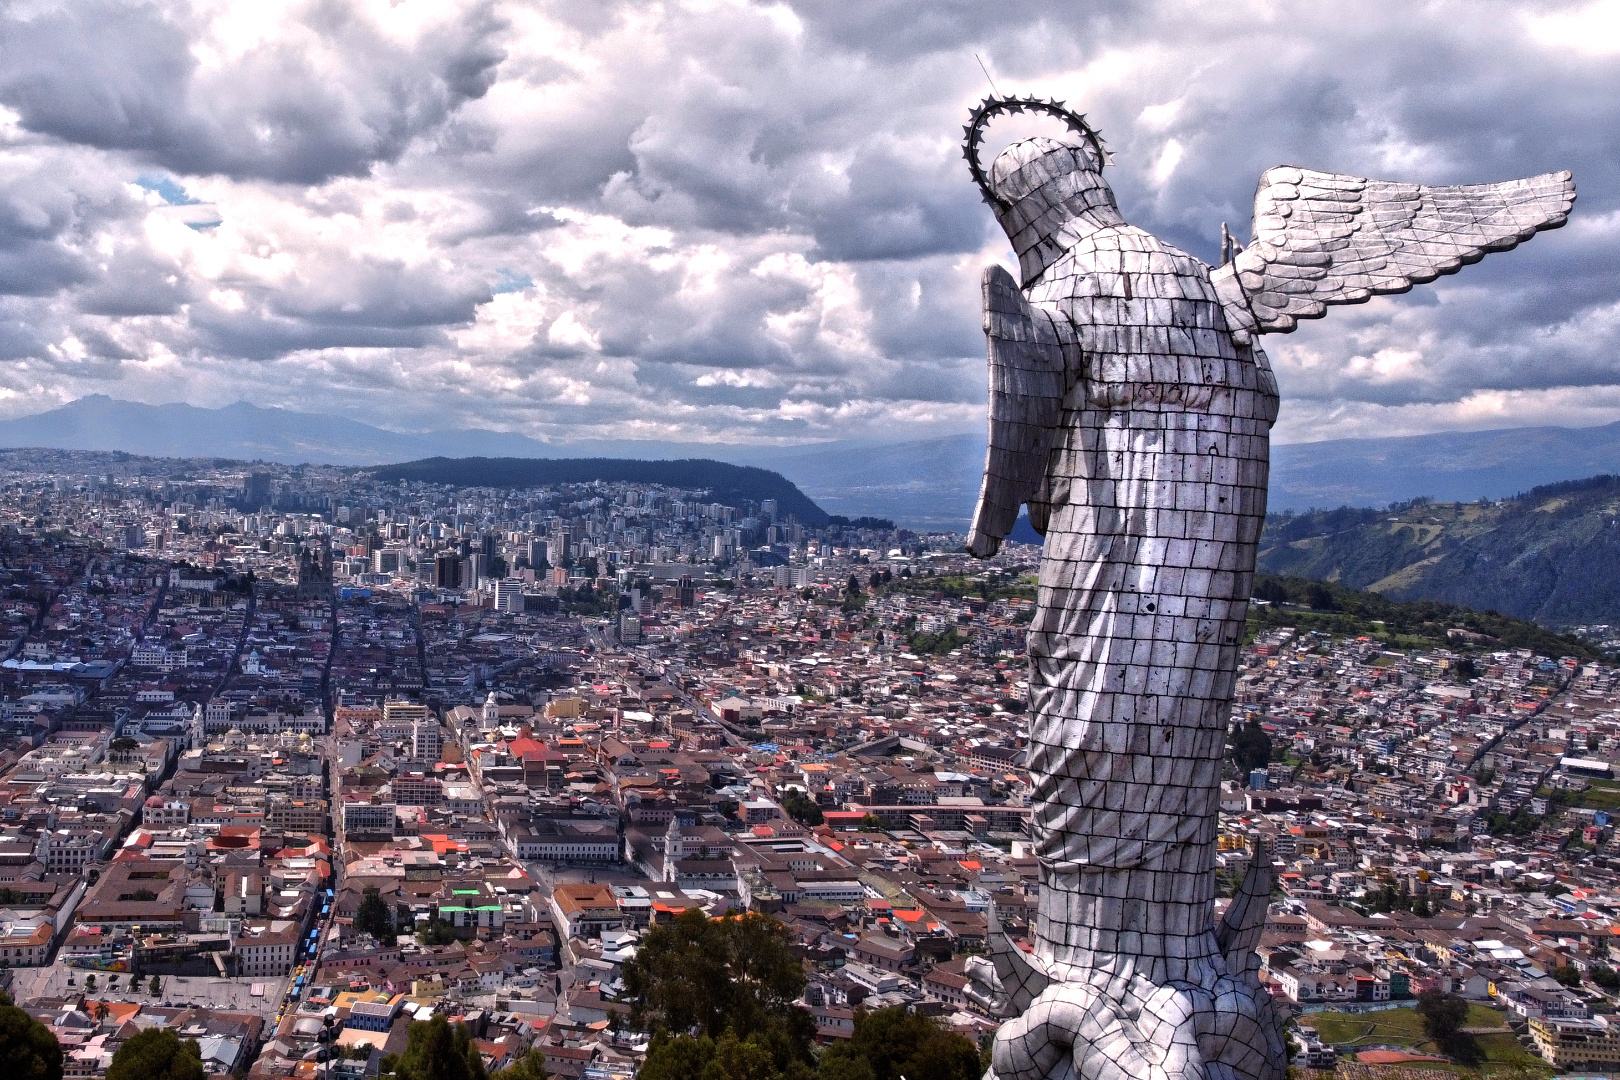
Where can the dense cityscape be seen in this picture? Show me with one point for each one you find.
(291, 759)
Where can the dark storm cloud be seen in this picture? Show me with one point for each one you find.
(257, 337)
(381, 294)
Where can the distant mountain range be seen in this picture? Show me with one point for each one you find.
(924, 484)
(732, 485)
(1449, 467)
(1551, 555)
(246, 432)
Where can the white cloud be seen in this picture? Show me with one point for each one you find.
(744, 221)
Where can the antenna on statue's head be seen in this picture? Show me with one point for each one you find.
(987, 77)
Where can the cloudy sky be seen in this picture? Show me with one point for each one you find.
(735, 221)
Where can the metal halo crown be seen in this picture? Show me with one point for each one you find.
(993, 105)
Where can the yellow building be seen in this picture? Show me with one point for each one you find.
(1580, 1045)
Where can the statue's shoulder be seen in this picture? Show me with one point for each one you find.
(1096, 264)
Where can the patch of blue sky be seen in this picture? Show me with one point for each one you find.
(167, 188)
(507, 281)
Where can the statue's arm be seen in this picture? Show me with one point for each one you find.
(1322, 239)
(1027, 386)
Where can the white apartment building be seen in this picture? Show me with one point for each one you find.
(265, 949)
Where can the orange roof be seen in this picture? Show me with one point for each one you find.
(906, 915)
(120, 1011)
(443, 844)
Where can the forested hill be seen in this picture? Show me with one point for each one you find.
(732, 485)
(1550, 554)
(1333, 609)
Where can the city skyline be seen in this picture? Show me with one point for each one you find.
(742, 223)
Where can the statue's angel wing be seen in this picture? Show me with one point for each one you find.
(1321, 238)
(1027, 385)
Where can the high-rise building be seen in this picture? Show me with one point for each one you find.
(447, 570)
(427, 740)
(537, 551)
(557, 548)
(688, 592)
(404, 712)
(509, 595)
(256, 491)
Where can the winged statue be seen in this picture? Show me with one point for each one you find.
(1130, 411)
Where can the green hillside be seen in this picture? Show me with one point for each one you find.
(732, 485)
(1400, 624)
(1551, 554)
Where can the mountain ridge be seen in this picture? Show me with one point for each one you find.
(920, 483)
(1550, 554)
(731, 484)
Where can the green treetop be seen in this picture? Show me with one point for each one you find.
(157, 1054)
(28, 1049)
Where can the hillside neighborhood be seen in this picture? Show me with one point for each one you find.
(281, 747)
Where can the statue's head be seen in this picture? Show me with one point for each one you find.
(1047, 193)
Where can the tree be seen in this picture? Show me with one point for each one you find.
(28, 1049)
(892, 1043)
(436, 1051)
(726, 1058)
(531, 1066)
(1251, 747)
(713, 974)
(718, 995)
(1606, 977)
(801, 808)
(871, 823)
(1566, 975)
(373, 917)
(1320, 597)
(436, 932)
(157, 1054)
(89, 984)
(1443, 1015)
(155, 987)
